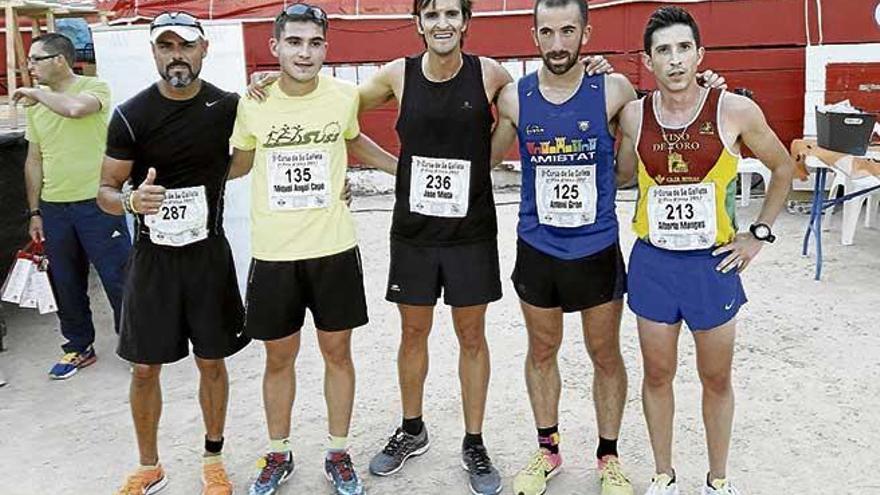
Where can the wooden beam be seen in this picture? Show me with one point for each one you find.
(10, 63)
(50, 21)
(19, 52)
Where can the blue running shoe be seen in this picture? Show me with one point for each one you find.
(340, 473)
(71, 362)
(275, 468)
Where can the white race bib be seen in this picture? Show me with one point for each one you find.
(566, 195)
(682, 217)
(298, 180)
(440, 187)
(182, 219)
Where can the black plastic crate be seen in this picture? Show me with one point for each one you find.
(844, 132)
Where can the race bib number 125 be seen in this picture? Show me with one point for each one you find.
(566, 195)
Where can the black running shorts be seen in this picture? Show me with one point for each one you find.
(574, 285)
(469, 274)
(175, 296)
(331, 287)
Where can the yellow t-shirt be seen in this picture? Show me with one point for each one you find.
(299, 170)
(72, 149)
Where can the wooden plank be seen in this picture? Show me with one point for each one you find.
(19, 53)
(10, 62)
(50, 21)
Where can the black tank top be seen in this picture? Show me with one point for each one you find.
(451, 121)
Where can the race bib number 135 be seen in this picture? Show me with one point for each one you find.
(298, 180)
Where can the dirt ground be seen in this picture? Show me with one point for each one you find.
(807, 382)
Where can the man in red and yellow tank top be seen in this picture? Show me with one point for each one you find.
(686, 262)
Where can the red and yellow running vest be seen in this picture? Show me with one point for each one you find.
(686, 178)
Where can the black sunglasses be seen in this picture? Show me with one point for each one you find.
(35, 58)
(176, 19)
(304, 11)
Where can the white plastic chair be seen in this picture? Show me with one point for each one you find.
(852, 209)
(746, 167)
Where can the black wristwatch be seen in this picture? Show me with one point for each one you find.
(35, 213)
(762, 232)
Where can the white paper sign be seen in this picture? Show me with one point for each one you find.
(566, 196)
(182, 219)
(16, 281)
(682, 217)
(298, 180)
(439, 187)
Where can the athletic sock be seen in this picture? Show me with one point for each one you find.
(338, 444)
(606, 447)
(413, 426)
(472, 439)
(548, 438)
(212, 447)
(212, 459)
(280, 446)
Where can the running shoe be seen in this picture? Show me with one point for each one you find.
(662, 484)
(71, 362)
(341, 474)
(542, 467)
(2, 379)
(720, 487)
(275, 468)
(215, 480)
(614, 482)
(400, 447)
(144, 482)
(483, 478)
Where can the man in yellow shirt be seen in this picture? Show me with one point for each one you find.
(303, 239)
(66, 132)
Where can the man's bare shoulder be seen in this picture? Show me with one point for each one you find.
(395, 68)
(494, 72)
(739, 108)
(618, 82)
(630, 116)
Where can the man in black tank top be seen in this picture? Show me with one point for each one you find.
(443, 235)
(172, 140)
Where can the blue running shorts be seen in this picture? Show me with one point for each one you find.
(669, 286)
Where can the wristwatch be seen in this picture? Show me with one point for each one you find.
(762, 232)
(35, 213)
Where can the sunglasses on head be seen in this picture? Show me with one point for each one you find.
(305, 11)
(176, 19)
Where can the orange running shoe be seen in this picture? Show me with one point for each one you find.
(144, 482)
(215, 480)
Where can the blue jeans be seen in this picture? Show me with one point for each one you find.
(78, 233)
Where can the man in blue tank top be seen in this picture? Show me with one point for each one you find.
(568, 255)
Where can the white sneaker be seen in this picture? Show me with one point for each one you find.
(662, 484)
(720, 487)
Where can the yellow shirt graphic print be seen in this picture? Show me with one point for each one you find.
(299, 170)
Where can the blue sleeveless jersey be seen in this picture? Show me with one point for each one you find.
(555, 140)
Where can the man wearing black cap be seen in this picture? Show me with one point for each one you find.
(171, 141)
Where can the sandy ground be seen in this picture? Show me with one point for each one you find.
(807, 379)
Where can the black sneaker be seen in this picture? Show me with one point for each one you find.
(484, 478)
(401, 446)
